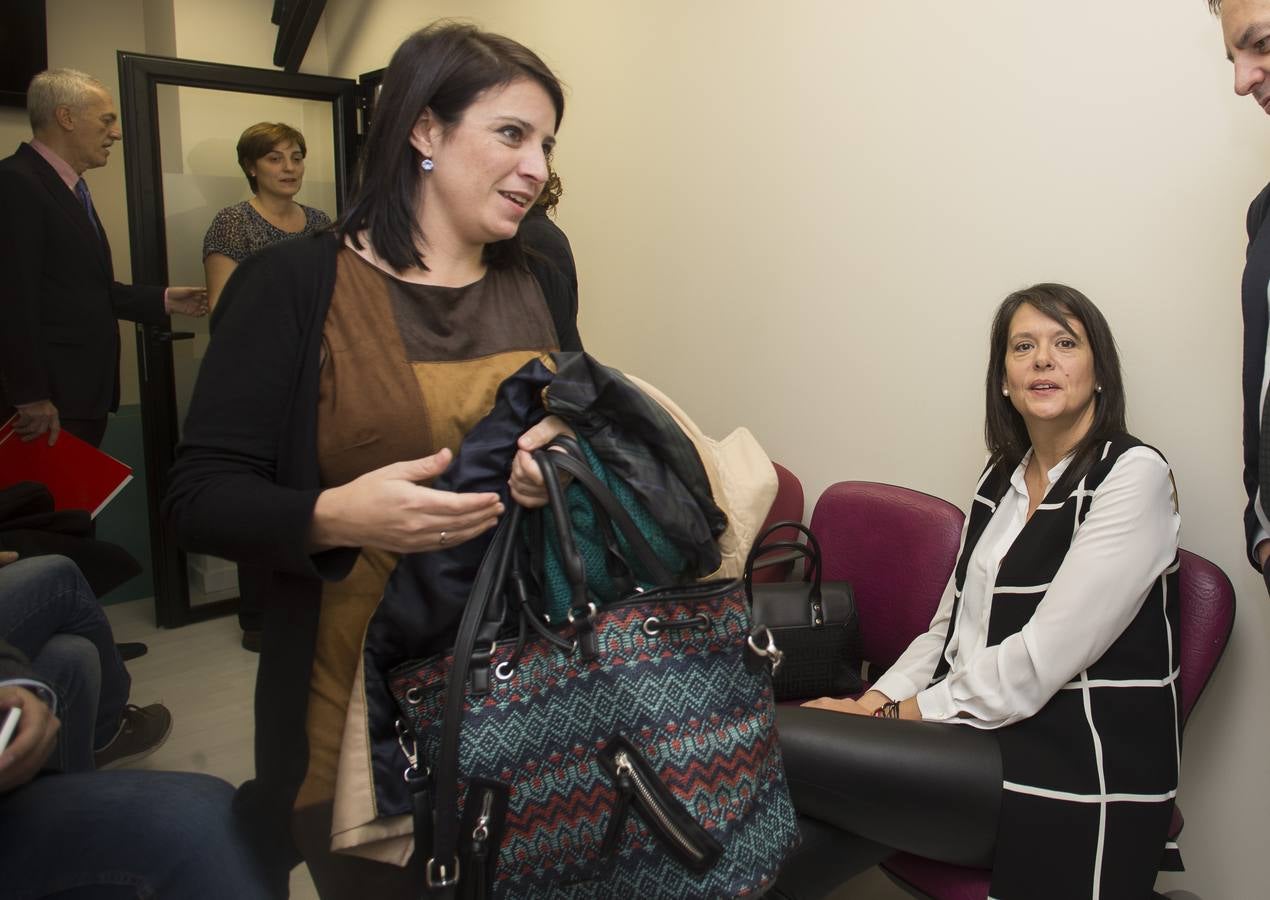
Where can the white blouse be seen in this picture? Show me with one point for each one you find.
(1127, 539)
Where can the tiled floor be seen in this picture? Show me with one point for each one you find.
(205, 678)
(202, 674)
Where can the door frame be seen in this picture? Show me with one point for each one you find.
(139, 78)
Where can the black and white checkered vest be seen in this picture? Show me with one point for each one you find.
(1089, 780)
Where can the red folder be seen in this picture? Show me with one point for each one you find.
(77, 474)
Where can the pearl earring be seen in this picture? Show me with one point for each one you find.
(427, 165)
(1005, 392)
(1098, 388)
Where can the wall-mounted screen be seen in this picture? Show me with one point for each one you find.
(23, 48)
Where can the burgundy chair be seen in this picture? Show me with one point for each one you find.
(1207, 613)
(897, 547)
(788, 506)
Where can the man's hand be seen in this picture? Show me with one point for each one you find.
(1263, 551)
(188, 301)
(34, 419)
(34, 741)
(8, 556)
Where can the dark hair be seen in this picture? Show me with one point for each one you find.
(443, 68)
(1004, 430)
(552, 191)
(258, 140)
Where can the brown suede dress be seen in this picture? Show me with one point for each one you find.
(407, 369)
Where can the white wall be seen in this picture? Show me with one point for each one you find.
(800, 218)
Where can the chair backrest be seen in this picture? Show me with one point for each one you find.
(788, 506)
(1207, 608)
(897, 547)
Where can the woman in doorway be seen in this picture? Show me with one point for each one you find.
(344, 371)
(271, 155)
(1034, 728)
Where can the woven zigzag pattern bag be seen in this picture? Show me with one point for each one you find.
(628, 753)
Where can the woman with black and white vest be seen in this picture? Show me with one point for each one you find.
(1055, 648)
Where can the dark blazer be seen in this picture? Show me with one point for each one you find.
(59, 300)
(1256, 323)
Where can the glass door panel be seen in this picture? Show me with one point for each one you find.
(198, 137)
(181, 123)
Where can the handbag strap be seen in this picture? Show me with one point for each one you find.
(550, 461)
(619, 570)
(810, 549)
(570, 559)
(441, 872)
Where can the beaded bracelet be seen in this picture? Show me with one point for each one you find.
(888, 710)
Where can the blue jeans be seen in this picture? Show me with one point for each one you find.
(48, 611)
(125, 834)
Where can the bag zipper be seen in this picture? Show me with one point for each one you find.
(651, 804)
(480, 845)
(702, 591)
(617, 821)
(666, 819)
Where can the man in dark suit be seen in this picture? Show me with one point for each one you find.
(59, 301)
(1246, 33)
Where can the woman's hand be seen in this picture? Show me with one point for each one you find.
(873, 700)
(388, 509)
(527, 486)
(839, 704)
(866, 705)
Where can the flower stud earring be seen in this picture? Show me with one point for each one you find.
(426, 164)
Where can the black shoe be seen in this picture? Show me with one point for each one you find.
(251, 640)
(131, 649)
(142, 731)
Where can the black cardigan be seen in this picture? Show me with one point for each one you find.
(246, 480)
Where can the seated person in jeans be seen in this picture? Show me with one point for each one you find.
(108, 834)
(1034, 728)
(50, 614)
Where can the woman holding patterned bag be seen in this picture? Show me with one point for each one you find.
(344, 371)
(1054, 650)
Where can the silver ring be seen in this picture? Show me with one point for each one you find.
(444, 538)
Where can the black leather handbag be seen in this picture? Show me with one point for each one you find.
(814, 623)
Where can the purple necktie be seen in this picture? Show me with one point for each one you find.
(86, 200)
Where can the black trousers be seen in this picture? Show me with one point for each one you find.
(90, 431)
(866, 787)
(253, 585)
